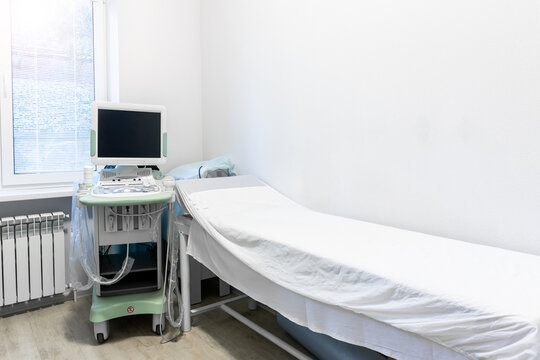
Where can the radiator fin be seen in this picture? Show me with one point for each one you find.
(32, 257)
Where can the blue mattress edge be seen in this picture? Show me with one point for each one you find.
(325, 347)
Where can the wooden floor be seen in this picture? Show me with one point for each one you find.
(64, 332)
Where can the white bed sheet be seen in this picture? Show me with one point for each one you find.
(319, 317)
(479, 301)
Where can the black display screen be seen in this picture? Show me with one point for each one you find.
(128, 134)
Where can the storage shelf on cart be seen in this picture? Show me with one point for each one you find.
(110, 264)
(132, 283)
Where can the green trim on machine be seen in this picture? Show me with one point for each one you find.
(123, 201)
(165, 144)
(106, 308)
(92, 142)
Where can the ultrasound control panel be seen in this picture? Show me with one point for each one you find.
(138, 183)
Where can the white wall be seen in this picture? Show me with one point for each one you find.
(419, 114)
(155, 58)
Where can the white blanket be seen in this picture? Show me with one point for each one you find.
(480, 301)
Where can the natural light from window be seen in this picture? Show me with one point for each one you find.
(53, 84)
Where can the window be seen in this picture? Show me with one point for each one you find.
(49, 62)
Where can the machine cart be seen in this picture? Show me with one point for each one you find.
(119, 222)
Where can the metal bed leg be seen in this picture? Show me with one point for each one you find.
(195, 277)
(184, 276)
(265, 333)
(252, 304)
(224, 288)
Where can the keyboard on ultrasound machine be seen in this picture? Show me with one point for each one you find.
(138, 183)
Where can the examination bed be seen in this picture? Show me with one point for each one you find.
(405, 294)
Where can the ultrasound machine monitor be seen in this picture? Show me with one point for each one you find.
(128, 134)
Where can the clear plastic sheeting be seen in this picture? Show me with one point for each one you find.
(82, 248)
(79, 279)
(83, 266)
(173, 287)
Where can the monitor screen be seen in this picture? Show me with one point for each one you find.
(128, 134)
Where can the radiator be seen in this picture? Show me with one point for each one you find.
(33, 258)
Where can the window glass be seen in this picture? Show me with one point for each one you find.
(53, 84)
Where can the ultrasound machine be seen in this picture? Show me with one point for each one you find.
(125, 263)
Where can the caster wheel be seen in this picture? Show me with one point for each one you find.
(158, 323)
(158, 330)
(100, 339)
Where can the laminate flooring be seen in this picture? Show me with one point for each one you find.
(64, 332)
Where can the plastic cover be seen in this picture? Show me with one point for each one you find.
(83, 267)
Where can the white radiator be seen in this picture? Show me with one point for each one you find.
(33, 259)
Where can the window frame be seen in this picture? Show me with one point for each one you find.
(9, 178)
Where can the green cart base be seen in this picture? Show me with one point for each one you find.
(106, 308)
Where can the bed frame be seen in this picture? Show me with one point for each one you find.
(183, 230)
(398, 343)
